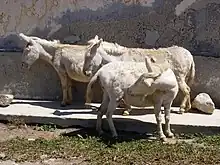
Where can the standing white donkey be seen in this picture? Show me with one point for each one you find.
(66, 59)
(179, 60)
(139, 84)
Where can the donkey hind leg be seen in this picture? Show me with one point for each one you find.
(127, 108)
(157, 111)
(64, 84)
(185, 104)
(111, 108)
(121, 104)
(69, 91)
(102, 110)
(167, 108)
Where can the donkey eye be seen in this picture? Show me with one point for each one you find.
(28, 44)
(27, 49)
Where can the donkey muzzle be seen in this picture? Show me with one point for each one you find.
(88, 73)
(25, 66)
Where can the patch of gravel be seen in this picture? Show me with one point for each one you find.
(10, 132)
(75, 161)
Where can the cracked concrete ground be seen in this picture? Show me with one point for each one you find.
(140, 120)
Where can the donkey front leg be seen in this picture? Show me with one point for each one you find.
(69, 91)
(64, 84)
(111, 108)
(157, 111)
(101, 111)
(167, 107)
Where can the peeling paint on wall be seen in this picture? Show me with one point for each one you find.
(192, 24)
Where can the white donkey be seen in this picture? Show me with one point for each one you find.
(180, 61)
(138, 85)
(66, 59)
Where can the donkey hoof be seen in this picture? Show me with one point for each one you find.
(68, 103)
(115, 137)
(125, 113)
(163, 139)
(94, 108)
(88, 106)
(170, 135)
(181, 110)
(100, 132)
(189, 107)
(63, 104)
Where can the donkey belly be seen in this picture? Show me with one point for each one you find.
(139, 101)
(74, 71)
(77, 76)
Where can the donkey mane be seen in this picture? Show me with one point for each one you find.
(44, 41)
(113, 48)
(37, 38)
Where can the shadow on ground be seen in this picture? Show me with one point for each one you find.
(81, 106)
(52, 104)
(123, 136)
(128, 129)
(59, 111)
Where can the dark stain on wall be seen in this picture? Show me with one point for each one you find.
(196, 30)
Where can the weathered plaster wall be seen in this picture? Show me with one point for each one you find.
(193, 24)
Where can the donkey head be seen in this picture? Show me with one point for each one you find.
(31, 51)
(93, 58)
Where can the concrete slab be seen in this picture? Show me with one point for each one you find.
(140, 120)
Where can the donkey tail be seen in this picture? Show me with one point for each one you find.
(191, 78)
(89, 88)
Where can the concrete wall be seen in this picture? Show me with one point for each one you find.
(41, 81)
(193, 24)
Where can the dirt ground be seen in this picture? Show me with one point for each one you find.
(79, 146)
(8, 132)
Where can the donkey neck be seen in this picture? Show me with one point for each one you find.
(47, 51)
(106, 57)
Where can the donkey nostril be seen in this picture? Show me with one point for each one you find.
(88, 73)
(84, 72)
(24, 65)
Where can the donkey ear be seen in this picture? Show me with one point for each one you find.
(95, 46)
(24, 37)
(149, 57)
(99, 42)
(153, 59)
(30, 43)
(96, 37)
